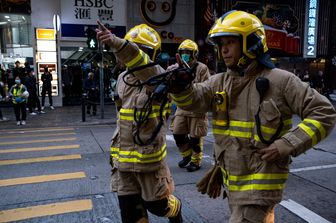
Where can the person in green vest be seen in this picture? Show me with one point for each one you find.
(19, 94)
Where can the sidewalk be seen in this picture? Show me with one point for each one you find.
(60, 116)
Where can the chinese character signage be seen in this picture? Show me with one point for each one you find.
(78, 15)
(88, 12)
(310, 35)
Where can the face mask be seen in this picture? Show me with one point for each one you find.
(17, 81)
(186, 57)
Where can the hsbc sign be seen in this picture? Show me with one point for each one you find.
(88, 12)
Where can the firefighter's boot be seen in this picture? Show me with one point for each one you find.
(193, 167)
(184, 162)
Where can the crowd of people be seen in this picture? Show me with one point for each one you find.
(22, 91)
(316, 81)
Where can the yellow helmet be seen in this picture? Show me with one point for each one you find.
(244, 25)
(146, 37)
(190, 46)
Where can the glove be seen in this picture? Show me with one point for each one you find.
(181, 79)
(202, 185)
(215, 183)
(182, 75)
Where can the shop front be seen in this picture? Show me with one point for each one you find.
(15, 40)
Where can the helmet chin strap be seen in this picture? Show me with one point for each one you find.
(242, 64)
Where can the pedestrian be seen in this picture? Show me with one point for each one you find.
(2, 98)
(10, 78)
(189, 128)
(318, 82)
(252, 105)
(140, 174)
(33, 99)
(91, 89)
(46, 87)
(307, 78)
(19, 94)
(26, 71)
(18, 71)
(66, 84)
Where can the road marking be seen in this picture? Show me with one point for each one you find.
(45, 210)
(37, 135)
(170, 138)
(312, 168)
(33, 149)
(23, 131)
(40, 159)
(303, 212)
(37, 141)
(41, 179)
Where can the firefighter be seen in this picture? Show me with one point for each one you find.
(252, 105)
(140, 174)
(189, 127)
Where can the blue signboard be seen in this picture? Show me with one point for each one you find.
(78, 30)
(310, 35)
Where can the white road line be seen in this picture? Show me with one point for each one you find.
(302, 212)
(312, 168)
(170, 138)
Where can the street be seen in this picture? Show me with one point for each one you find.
(62, 174)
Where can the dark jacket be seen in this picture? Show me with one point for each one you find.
(46, 79)
(31, 84)
(90, 86)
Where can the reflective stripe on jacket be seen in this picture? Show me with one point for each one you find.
(127, 155)
(249, 179)
(17, 93)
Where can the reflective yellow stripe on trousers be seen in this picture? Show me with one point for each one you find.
(136, 157)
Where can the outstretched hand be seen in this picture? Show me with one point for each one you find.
(104, 35)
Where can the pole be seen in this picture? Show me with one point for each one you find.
(101, 82)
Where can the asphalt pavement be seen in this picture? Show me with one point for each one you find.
(56, 169)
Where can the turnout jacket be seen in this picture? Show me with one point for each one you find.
(127, 156)
(248, 178)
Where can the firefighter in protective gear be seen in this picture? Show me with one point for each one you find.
(189, 128)
(140, 175)
(252, 105)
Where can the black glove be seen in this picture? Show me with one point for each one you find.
(181, 79)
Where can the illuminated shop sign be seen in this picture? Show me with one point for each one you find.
(310, 35)
(46, 56)
(45, 45)
(46, 34)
